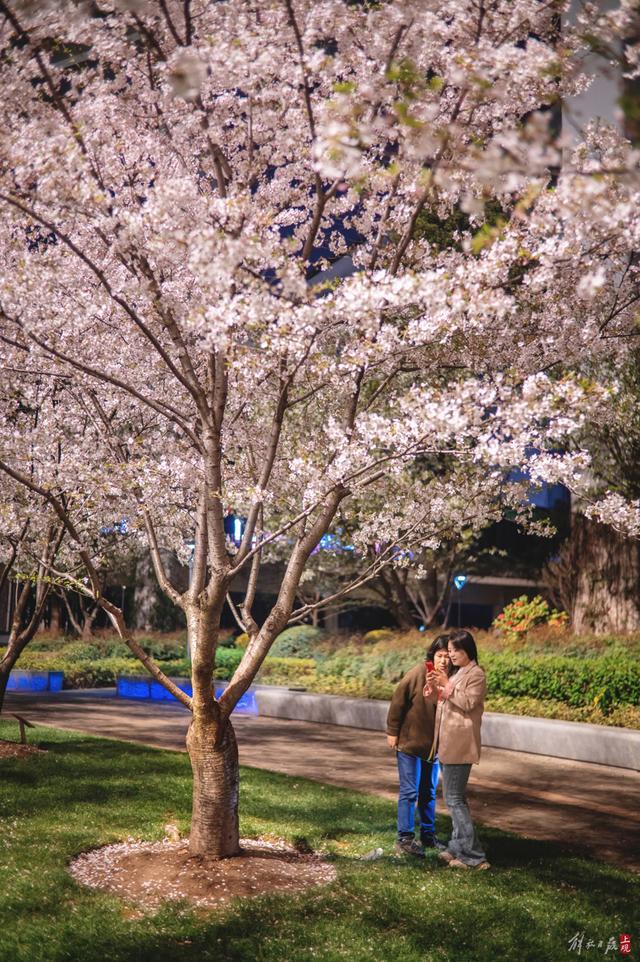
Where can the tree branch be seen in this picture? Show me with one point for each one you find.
(116, 298)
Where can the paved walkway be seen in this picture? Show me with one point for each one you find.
(592, 809)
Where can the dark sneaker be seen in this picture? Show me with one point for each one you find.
(409, 846)
(431, 841)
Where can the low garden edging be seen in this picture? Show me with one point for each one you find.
(578, 741)
(619, 747)
(20, 680)
(558, 676)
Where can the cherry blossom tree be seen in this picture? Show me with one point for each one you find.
(175, 178)
(30, 544)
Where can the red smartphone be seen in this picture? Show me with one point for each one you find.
(430, 666)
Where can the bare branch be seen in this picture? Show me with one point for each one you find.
(169, 21)
(57, 506)
(235, 612)
(199, 564)
(99, 273)
(158, 566)
(161, 407)
(259, 645)
(9, 563)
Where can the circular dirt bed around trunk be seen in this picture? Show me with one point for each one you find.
(16, 750)
(149, 873)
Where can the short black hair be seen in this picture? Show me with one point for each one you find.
(440, 643)
(464, 641)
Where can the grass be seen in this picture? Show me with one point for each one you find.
(86, 792)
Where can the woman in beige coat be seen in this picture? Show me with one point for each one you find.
(457, 742)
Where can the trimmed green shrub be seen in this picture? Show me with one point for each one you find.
(78, 651)
(226, 641)
(379, 634)
(287, 671)
(602, 681)
(79, 673)
(352, 662)
(117, 649)
(299, 641)
(227, 660)
(163, 649)
(583, 684)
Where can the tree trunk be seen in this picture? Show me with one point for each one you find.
(55, 615)
(15, 646)
(17, 641)
(607, 572)
(213, 752)
(4, 680)
(145, 594)
(87, 627)
(396, 598)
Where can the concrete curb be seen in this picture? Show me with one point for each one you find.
(618, 747)
(578, 741)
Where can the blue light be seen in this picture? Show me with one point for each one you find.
(24, 680)
(332, 542)
(133, 686)
(460, 581)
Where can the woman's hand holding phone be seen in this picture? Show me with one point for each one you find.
(431, 681)
(435, 680)
(442, 679)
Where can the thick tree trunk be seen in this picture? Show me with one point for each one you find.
(55, 616)
(15, 646)
(87, 627)
(4, 680)
(607, 578)
(11, 655)
(396, 598)
(213, 752)
(147, 592)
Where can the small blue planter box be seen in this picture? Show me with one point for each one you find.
(143, 687)
(35, 680)
(158, 692)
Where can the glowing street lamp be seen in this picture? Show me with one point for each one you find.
(459, 582)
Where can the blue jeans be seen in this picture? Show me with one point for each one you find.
(418, 781)
(464, 842)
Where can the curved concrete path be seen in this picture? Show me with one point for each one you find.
(592, 809)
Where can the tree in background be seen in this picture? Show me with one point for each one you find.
(596, 574)
(174, 175)
(30, 542)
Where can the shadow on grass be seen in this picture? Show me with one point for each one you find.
(390, 910)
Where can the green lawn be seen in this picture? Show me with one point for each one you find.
(87, 792)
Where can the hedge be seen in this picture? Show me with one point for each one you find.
(102, 672)
(299, 641)
(287, 671)
(600, 682)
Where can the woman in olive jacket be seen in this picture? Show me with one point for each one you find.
(460, 700)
